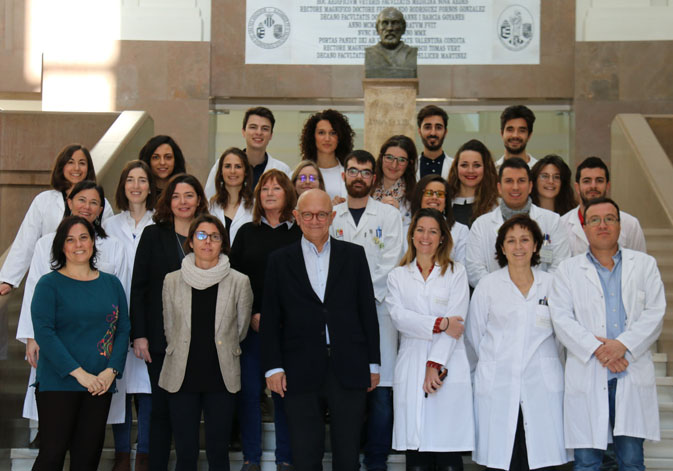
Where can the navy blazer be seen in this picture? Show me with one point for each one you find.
(292, 331)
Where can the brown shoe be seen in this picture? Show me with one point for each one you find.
(142, 461)
(122, 461)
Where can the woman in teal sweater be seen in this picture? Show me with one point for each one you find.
(81, 323)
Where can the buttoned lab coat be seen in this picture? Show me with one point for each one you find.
(518, 366)
(135, 380)
(111, 258)
(443, 421)
(484, 232)
(630, 236)
(578, 313)
(379, 232)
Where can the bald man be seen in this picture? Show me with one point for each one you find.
(320, 337)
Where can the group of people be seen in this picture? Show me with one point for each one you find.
(422, 303)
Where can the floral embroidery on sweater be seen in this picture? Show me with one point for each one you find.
(105, 344)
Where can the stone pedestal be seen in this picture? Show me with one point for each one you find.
(390, 109)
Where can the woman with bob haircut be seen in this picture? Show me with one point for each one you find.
(232, 202)
(72, 165)
(160, 251)
(307, 176)
(396, 175)
(428, 298)
(206, 316)
(164, 157)
(272, 227)
(519, 376)
(135, 197)
(552, 188)
(87, 200)
(81, 323)
(327, 138)
(432, 191)
(473, 181)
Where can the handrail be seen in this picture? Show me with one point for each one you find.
(638, 161)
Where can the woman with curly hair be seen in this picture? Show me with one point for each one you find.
(326, 139)
(552, 189)
(473, 181)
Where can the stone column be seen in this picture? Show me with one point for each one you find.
(390, 108)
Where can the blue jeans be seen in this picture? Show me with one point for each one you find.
(628, 450)
(250, 413)
(122, 432)
(379, 428)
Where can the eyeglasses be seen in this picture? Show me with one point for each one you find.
(391, 159)
(437, 193)
(354, 172)
(305, 178)
(203, 235)
(609, 220)
(308, 215)
(547, 177)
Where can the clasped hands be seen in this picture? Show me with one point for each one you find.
(611, 355)
(97, 385)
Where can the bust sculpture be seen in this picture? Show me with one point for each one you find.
(390, 57)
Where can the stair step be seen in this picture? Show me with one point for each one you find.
(22, 460)
(666, 414)
(659, 463)
(665, 389)
(659, 364)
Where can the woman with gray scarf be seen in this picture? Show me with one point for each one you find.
(207, 307)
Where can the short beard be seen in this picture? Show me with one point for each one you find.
(354, 193)
(428, 146)
(521, 151)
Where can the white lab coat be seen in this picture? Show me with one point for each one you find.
(43, 216)
(518, 366)
(123, 227)
(484, 232)
(111, 258)
(379, 232)
(459, 234)
(444, 172)
(443, 421)
(630, 236)
(334, 181)
(210, 189)
(242, 216)
(578, 313)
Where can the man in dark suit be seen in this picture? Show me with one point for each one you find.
(320, 337)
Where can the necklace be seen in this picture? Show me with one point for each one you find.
(180, 245)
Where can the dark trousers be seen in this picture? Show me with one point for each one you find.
(218, 412)
(519, 461)
(160, 420)
(71, 421)
(306, 421)
(433, 460)
(249, 411)
(379, 428)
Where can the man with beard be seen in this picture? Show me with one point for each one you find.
(592, 180)
(514, 186)
(516, 127)
(432, 122)
(377, 227)
(390, 57)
